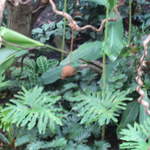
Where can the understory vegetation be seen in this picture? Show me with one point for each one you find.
(81, 81)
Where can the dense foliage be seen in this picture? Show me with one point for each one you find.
(44, 106)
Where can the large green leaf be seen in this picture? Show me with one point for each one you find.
(114, 42)
(88, 51)
(11, 36)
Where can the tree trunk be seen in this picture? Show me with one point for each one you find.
(19, 18)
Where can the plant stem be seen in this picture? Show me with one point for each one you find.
(103, 132)
(64, 30)
(56, 49)
(130, 22)
(104, 67)
(104, 56)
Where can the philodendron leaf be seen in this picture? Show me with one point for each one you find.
(13, 37)
(114, 43)
(88, 51)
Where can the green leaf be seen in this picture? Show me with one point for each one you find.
(136, 137)
(7, 57)
(87, 51)
(33, 108)
(52, 75)
(19, 39)
(4, 139)
(101, 145)
(54, 144)
(22, 140)
(101, 107)
(129, 115)
(142, 114)
(42, 64)
(114, 42)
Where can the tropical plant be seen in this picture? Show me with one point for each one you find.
(91, 110)
(33, 108)
(136, 137)
(102, 107)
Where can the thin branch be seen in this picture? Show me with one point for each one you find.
(73, 24)
(140, 72)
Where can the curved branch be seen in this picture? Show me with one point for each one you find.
(73, 24)
(142, 64)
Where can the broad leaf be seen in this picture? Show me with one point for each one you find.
(19, 39)
(114, 43)
(129, 115)
(87, 51)
(143, 115)
(52, 75)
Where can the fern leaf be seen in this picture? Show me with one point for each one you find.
(136, 137)
(101, 107)
(32, 108)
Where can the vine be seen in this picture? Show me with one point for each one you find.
(142, 64)
(73, 24)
